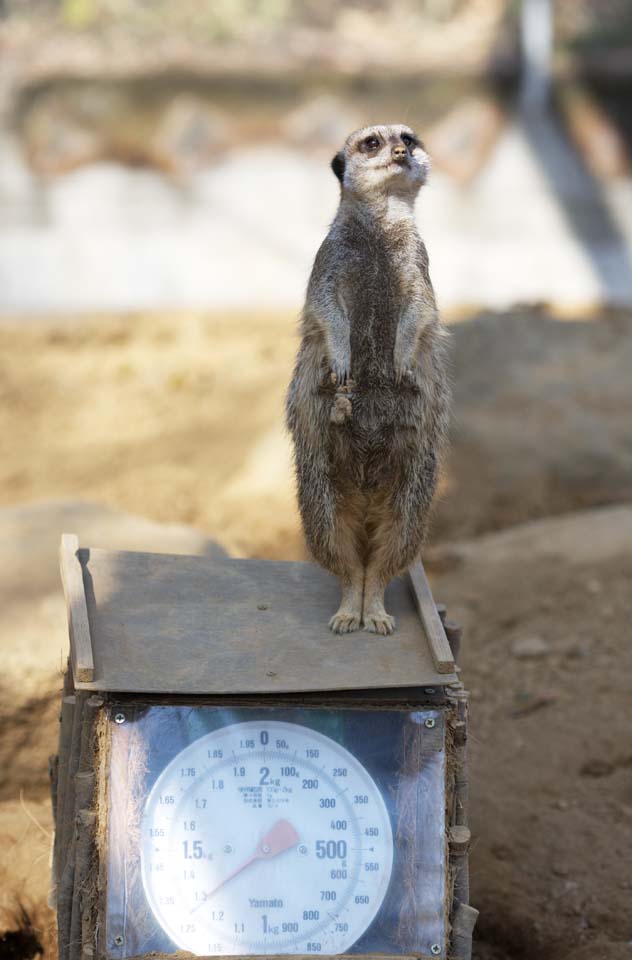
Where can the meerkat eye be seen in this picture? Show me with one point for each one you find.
(371, 143)
(408, 140)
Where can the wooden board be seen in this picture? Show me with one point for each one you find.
(440, 648)
(78, 625)
(194, 625)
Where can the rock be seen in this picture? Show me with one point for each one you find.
(576, 650)
(527, 703)
(541, 415)
(574, 539)
(596, 768)
(528, 648)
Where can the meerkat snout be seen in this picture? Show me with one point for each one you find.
(399, 154)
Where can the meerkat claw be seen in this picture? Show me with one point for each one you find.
(339, 376)
(383, 624)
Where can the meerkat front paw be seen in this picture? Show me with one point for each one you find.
(340, 409)
(345, 621)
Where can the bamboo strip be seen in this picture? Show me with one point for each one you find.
(64, 899)
(53, 777)
(84, 790)
(463, 924)
(461, 787)
(69, 683)
(65, 735)
(459, 862)
(85, 827)
(68, 816)
(53, 774)
(87, 746)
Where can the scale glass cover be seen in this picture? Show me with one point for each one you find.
(275, 830)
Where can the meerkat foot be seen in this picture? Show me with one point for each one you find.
(375, 619)
(345, 621)
(379, 622)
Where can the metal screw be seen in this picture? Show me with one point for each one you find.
(430, 722)
(262, 606)
(302, 848)
(119, 718)
(228, 848)
(118, 940)
(429, 690)
(265, 848)
(435, 949)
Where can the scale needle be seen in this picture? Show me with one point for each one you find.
(280, 837)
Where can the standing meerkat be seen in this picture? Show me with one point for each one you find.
(367, 407)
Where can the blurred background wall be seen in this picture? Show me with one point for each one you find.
(159, 154)
(164, 186)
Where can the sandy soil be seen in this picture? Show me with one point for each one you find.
(178, 419)
(547, 657)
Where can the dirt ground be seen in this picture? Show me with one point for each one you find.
(179, 419)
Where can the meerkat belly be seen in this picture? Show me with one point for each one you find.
(374, 442)
(373, 329)
(376, 394)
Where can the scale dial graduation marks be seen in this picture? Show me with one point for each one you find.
(265, 837)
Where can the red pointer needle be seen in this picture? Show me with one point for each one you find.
(280, 837)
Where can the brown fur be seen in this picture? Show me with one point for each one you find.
(367, 448)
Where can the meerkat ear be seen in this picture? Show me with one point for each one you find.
(338, 165)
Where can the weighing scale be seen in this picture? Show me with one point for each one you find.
(235, 780)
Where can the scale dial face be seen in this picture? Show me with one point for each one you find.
(265, 837)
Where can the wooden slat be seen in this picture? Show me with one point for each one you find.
(78, 623)
(437, 640)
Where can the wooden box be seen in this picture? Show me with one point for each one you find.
(235, 780)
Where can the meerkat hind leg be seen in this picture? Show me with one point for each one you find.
(375, 619)
(348, 536)
(379, 570)
(348, 617)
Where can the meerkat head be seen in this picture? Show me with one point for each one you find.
(382, 159)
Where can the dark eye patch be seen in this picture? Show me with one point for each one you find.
(409, 140)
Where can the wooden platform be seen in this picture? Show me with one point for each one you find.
(159, 624)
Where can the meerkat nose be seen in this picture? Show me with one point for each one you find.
(399, 153)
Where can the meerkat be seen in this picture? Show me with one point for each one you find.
(367, 407)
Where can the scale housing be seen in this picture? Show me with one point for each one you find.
(165, 649)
